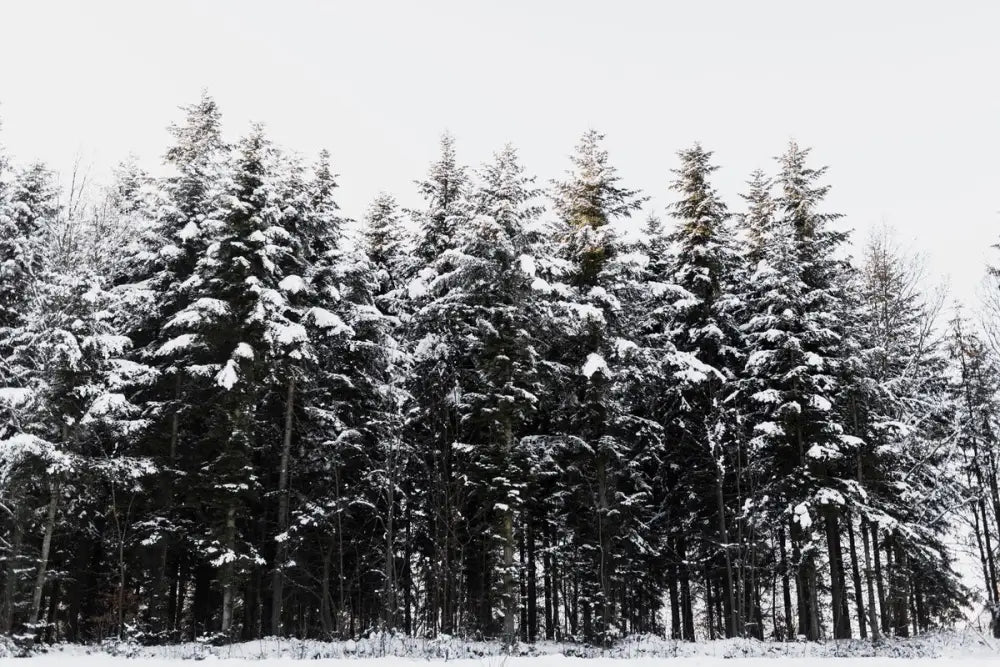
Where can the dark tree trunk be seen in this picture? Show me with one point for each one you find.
(408, 574)
(838, 583)
(532, 584)
(786, 593)
(729, 592)
(879, 580)
(870, 583)
(675, 610)
(547, 584)
(856, 575)
(687, 604)
(899, 582)
(203, 603)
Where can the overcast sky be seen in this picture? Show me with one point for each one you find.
(900, 99)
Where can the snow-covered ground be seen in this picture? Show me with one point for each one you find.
(555, 660)
(966, 648)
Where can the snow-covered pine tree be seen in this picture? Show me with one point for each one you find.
(435, 385)
(239, 322)
(704, 329)
(28, 209)
(488, 289)
(72, 425)
(160, 281)
(446, 192)
(289, 353)
(348, 413)
(790, 378)
(388, 247)
(591, 417)
(974, 390)
(649, 387)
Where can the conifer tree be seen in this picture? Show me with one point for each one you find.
(591, 417)
(446, 192)
(704, 327)
(72, 419)
(436, 385)
(387, 247)
(161, 279)
(493, 281)
(790, 377)
(974, 395)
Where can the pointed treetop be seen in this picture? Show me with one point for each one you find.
(445, 191)
(592, 197)
(759, 216)
(699, 210)
(799, 193)
(200, 134)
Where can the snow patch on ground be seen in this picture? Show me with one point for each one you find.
(968, 648)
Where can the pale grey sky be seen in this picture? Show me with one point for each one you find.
(901, 99)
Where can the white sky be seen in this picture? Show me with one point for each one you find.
(900, 99)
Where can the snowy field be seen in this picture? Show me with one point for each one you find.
(967, 648)
(556, 660)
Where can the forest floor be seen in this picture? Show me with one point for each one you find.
(968, 648)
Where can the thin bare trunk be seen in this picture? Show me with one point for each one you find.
(510, 596)
(870, 583)
(229, 570)
(43, 560)
(732, 617)
(278, 575)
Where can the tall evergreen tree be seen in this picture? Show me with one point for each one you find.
(790, 376)
(704, 326)
(446, 192)
(436, 387)
(591, 418)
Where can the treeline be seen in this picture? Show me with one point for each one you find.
(229, 412)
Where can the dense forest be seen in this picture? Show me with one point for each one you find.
(521, 411)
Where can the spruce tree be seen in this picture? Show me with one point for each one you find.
(161, 279)
(704, 265)
(790, 379)
(591, 418)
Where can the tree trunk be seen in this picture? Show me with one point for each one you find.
(687, 610)
(990, 561)
(522, 587)
(532, 583)
(166, 586)
(407, 591)
(507, 535)
(278, 573)
(325, 597)
(838, 583)
(229, 570)
(675, 609)
(869, 580)
(786, 593)
(856, 575)
(547, 583)
(10, 575)
(879, 579)
(604, 534)
(729, 596)
(709, 604)
(43, 560)
(510, 594)
(556, 583)
(899, 581)
(390, 561)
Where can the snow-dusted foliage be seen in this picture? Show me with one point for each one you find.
(487, 425)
